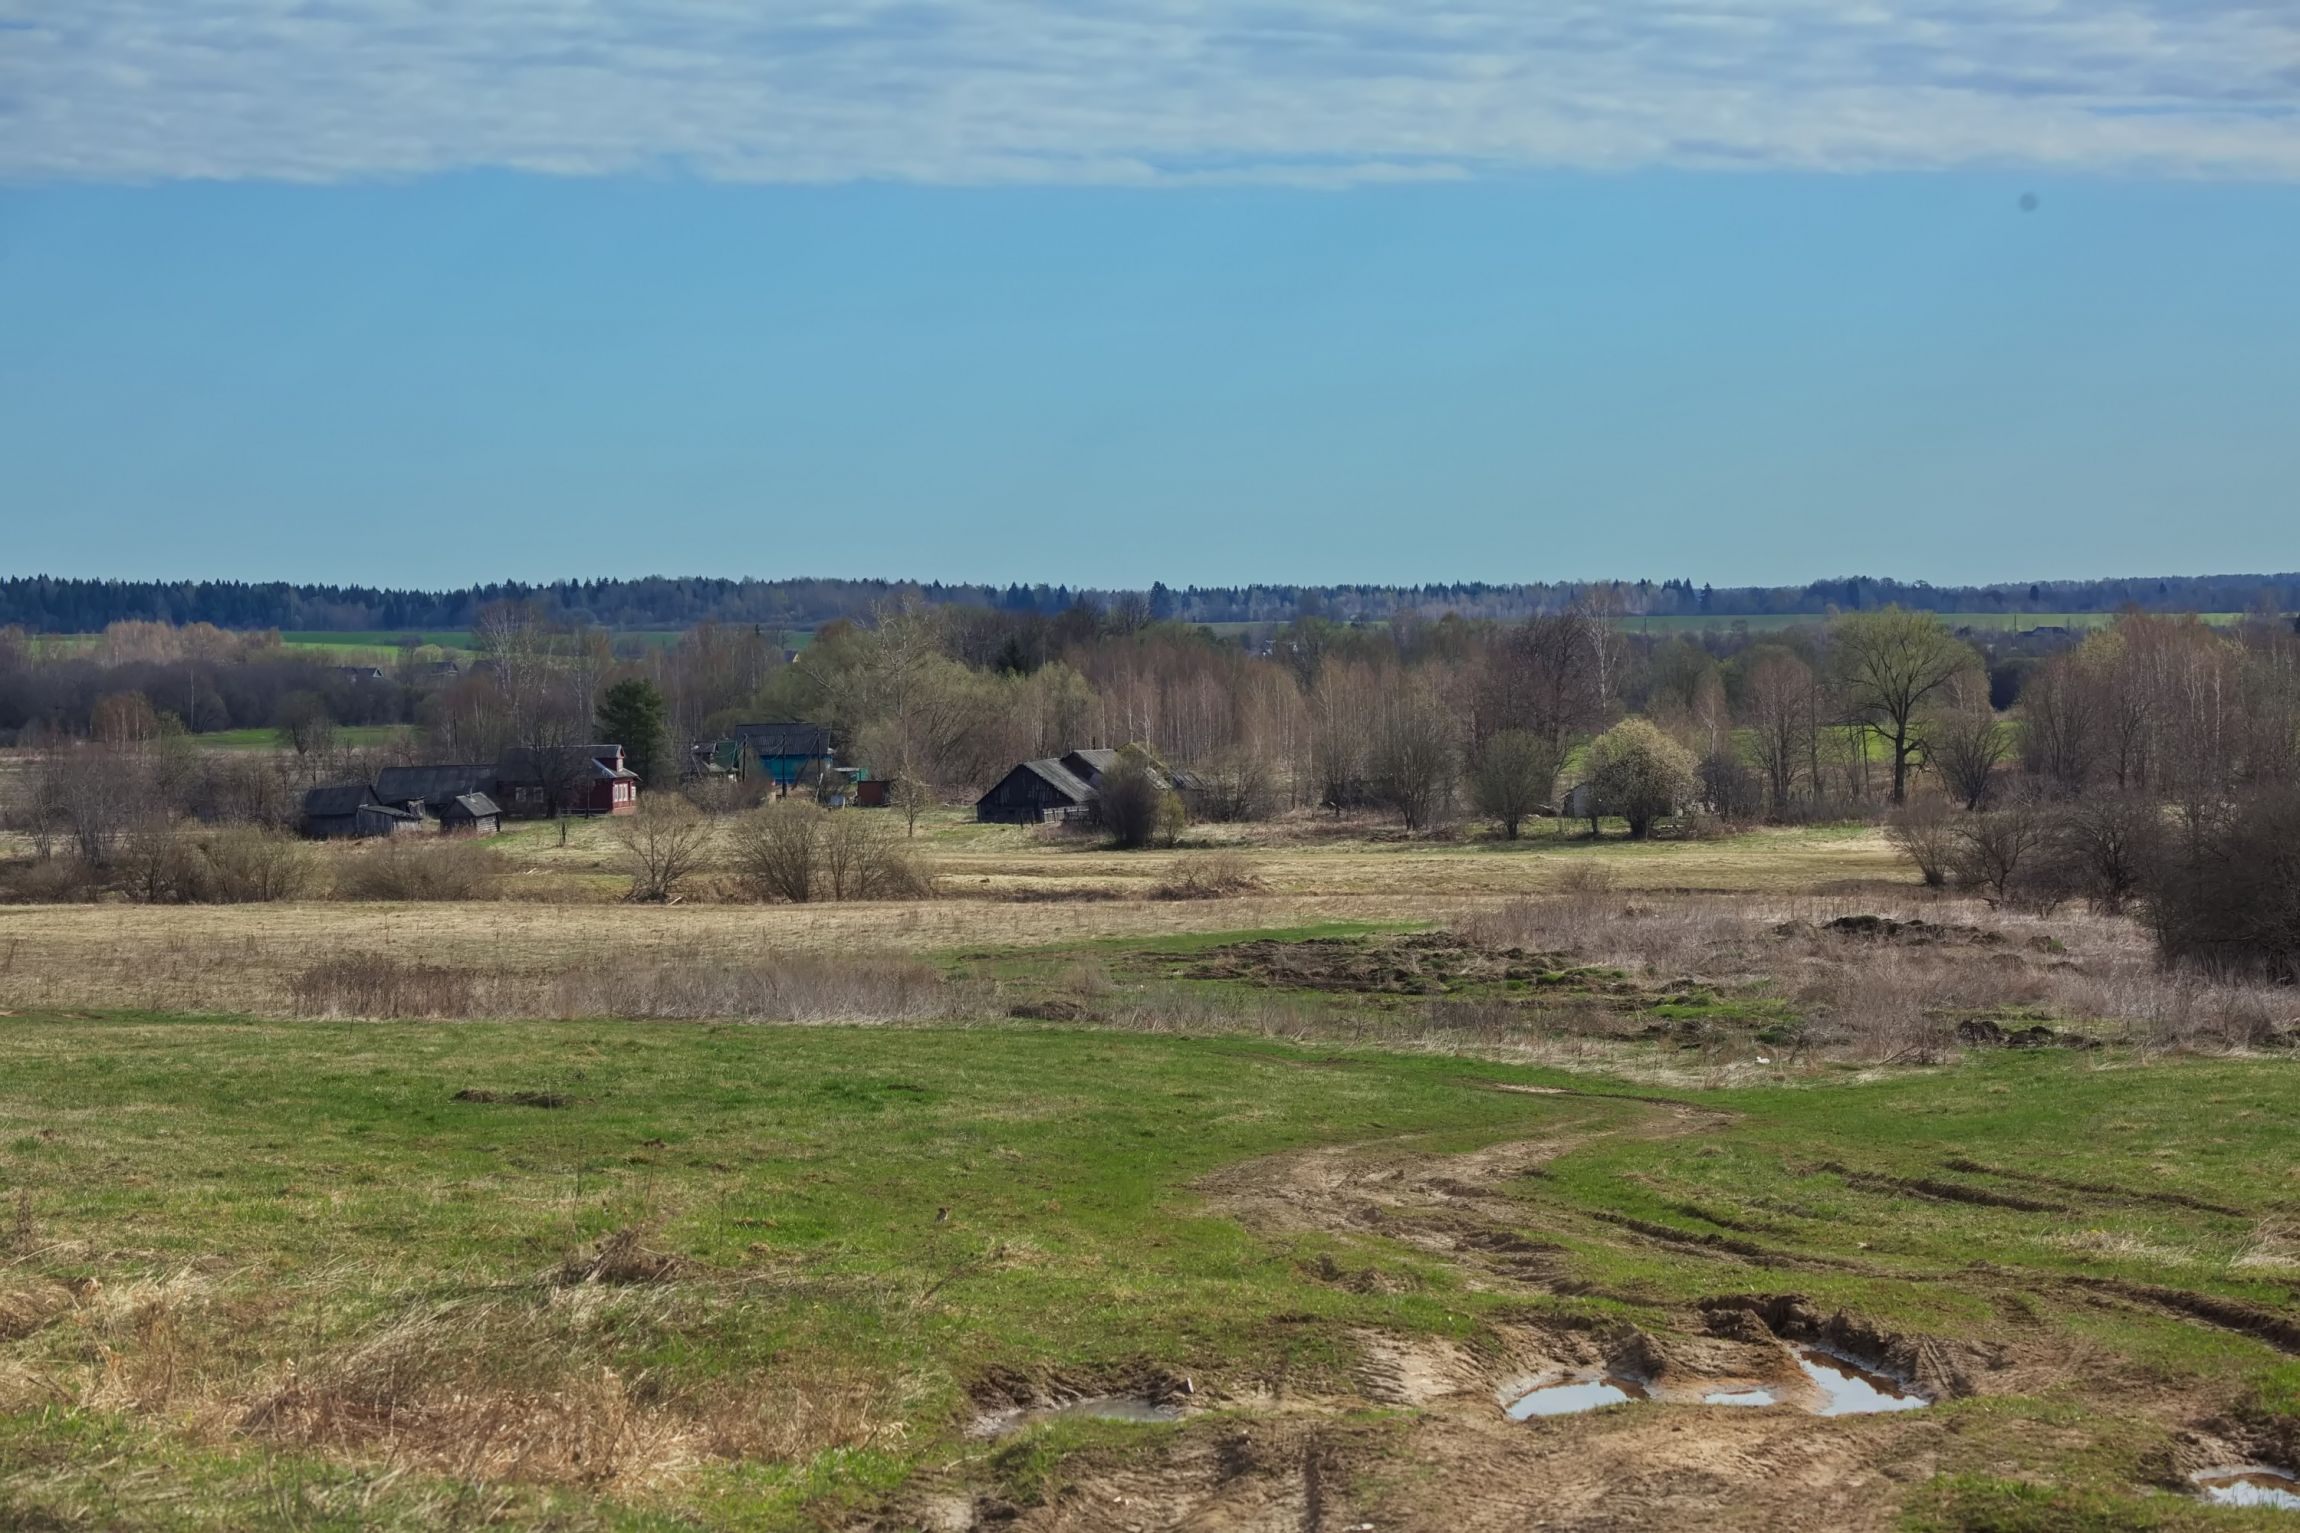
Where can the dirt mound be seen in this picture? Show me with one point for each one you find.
(514, 1098)
(1425, 963)
(1916, 931)
(1985, 1032)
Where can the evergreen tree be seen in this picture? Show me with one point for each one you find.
(631, 715)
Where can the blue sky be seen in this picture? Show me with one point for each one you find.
(382, 290)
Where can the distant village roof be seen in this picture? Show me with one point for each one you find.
(337, 800)
(431, 784)
(1061, 779)
(518, 765)
(808, 741)
(470, 806)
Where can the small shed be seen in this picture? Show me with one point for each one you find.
(1580, 803)
(1034, 792)
(470, 814)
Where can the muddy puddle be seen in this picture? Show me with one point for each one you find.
(2249, 1485)
(1834, 1385)
(1574, 1396)
(1849, 1389)
(1137, 1408)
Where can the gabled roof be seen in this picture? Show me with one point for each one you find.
(518, 763)
(470, 806)
(1095, 760)
(787, 738)
(337, 800)
(432, 784)
(1060, 778)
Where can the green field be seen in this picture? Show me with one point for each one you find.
(616, 1275)
(269, 740)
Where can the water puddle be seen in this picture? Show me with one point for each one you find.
(1580, 1395)
(2250, 1485)
(1848, 1389)
(1138, 1408)
(1751, 1396)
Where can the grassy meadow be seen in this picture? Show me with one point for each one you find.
(338, 1215)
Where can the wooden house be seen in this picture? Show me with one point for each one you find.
(787, 753)
(1034, 792)
(597, 783)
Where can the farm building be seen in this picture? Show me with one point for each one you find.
(1034, 792)
(599, 784)
(346, 811)
(1580, 803)
(433, 787)
(786, 753)
(470, 814)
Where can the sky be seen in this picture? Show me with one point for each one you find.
(418, 293)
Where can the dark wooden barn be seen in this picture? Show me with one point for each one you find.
(1033, 792)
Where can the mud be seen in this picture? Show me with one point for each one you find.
(1745, 1412)
(1135, 1408)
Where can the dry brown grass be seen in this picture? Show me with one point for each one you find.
(798, 987)
(497, 1387)
(1900, 999)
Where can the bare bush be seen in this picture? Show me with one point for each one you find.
(663, 845)
(2225, 898)
(1925, 831)
(1217, 876)
(245, 865)
(2107, 844)
(2008, 853)
(801, 852)
(404, 869)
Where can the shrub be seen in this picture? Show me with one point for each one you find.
(1925, 831)
(662, 846)
(2226, 896)
(1640, 774)
(801, 852)
(2107, 845)
(1219, 876)
(247, 865)
(1135, 805)
(404, 869)
(2012, 855)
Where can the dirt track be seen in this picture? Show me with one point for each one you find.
(1449, 1460)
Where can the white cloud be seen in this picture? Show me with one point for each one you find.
(1316, 92)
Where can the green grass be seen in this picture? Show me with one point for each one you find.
(315, 1193)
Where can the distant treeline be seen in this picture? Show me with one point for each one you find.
(42, 604)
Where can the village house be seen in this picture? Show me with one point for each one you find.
(598, 784)
(785, 753)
